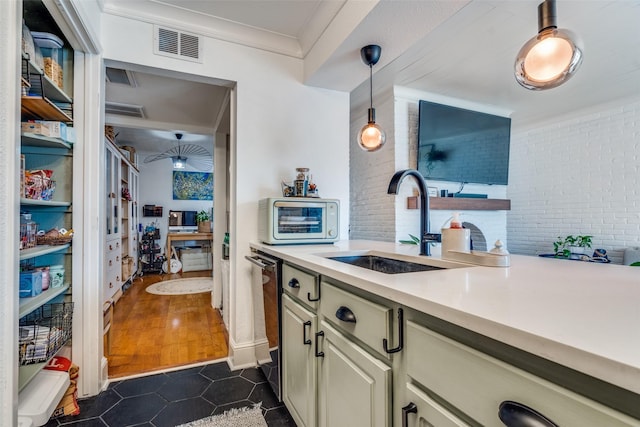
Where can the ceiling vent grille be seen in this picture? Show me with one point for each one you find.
(120, 76)
(128, 110)
(177, 44)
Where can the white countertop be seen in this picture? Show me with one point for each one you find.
(582, 315)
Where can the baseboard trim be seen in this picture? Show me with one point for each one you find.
(242, 356)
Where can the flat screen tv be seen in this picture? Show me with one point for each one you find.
(462, 146)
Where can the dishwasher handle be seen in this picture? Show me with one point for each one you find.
(260, 262)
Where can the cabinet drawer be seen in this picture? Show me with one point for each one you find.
(367, 321)
(426, 411)
(301, 284)
(476, 384)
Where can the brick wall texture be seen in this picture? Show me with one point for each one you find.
(575, 174)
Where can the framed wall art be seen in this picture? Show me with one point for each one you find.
(192, 185)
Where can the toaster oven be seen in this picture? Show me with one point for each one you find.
(298, 220)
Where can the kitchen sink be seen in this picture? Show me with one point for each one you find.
(384, 265)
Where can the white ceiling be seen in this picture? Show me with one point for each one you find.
(457, 49)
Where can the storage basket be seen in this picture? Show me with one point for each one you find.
(53, 240)
(44, 331)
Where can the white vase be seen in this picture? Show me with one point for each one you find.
(577, 251)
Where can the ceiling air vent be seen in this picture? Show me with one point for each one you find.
(128, 110)
(120, 76)
(177, 44)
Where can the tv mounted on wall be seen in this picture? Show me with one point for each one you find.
(465, 146)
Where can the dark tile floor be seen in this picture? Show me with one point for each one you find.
(169, 399)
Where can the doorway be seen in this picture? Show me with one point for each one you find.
(146, 109)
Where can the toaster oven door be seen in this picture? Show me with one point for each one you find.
(299, 220)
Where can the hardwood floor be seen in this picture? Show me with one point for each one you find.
(153, 332)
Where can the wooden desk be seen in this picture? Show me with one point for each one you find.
(174, 237)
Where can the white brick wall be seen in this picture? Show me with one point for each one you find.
(374, 214)
(577, 174)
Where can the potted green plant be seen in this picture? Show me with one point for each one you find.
(204, 222)
(572, 245)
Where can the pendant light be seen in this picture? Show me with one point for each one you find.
(179, 161)
(371, 137)
(551, 57)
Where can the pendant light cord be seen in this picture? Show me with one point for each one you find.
(371, 85)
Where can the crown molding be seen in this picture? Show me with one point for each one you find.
(174, 17)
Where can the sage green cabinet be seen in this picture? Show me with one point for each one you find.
(299, 370)
(354, 387)
(475, 384)
(331, 377)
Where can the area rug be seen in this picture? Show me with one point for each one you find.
(239, 417)
(194, 285)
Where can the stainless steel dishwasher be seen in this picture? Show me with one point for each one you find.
(269, 274)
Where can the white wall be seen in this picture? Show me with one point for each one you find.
(156, 188)
(577, 174)
(280, 124)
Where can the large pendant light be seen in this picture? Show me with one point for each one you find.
(371, 137)
(179, 161)
(551, 57)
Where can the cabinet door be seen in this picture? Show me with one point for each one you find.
(421, 410)
(354, 387)
(299, 374)
(112, 191)
(133, 218)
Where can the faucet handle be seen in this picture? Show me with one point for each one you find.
(432, 237)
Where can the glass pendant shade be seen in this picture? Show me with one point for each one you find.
(371, 137)
(179, 162)
(551, 57)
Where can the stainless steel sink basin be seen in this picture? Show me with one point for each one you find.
(391, 262)
(384, 264)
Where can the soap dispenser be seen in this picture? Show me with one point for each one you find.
(455, 238)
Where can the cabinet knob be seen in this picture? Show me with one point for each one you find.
(110, 263)
(117, 278)
(345, 314)
(411, 408)
(514, 414)
(110, 247)
(117, 258)
(110, 285)
(293, 283)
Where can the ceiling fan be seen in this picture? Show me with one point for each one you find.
(198, 157)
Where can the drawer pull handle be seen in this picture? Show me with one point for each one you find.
(346, 315)
(385, 343)
(305, 340)
(310, 298)
(319, 353)
(293, 283)
(411, 408)
(514, 414)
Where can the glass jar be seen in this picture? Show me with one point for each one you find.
(28, 230)
(301, 183)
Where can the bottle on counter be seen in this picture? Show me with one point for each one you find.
(455, 238)
(225, 246)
